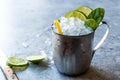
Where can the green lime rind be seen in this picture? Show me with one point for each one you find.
(91, 23)
(85, 9)
(16, 62)
(35, 59)
(97, 14)
(20, 68)
(75, 14)
(82, 13)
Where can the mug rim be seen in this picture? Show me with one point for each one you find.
(72, 35)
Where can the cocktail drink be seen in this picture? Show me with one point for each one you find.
(72, 39)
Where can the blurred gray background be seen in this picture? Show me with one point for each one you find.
(25, 29)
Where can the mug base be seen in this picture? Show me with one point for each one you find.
(73, 74)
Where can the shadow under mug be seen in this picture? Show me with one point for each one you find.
(72, 55)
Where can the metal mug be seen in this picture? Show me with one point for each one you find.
(72, 55)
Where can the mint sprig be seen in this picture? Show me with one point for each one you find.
(97, 14)
(94, 18)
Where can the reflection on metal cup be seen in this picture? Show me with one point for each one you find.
(72, 55)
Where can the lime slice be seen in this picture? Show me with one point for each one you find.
(85, 9)
(16, 61)
(75, 14)
(91, 23)
(97, 14)
(35, 59)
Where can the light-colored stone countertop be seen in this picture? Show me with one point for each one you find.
(25, 30)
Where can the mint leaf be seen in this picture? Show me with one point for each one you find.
(91, 23)
(97, 14)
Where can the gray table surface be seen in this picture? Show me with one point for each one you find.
(25, 30)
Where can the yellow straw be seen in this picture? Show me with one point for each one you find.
(58, 26)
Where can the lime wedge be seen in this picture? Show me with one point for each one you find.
(35, 59)
(97, 14)
(91, 23)
(85, 9)
(16, 62)
(75, 14)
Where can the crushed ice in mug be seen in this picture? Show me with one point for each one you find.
(73, 26)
